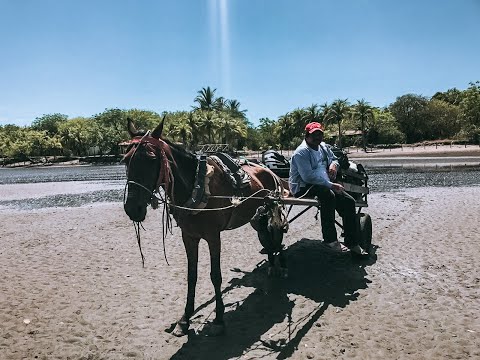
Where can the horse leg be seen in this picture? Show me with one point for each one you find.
(214, 245)
(283, 264)
(271, 264)
(191, 248)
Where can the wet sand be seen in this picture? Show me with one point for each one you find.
(431, 151)
(419, 157)
(73, 287)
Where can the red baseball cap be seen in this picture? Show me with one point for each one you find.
(313, 126)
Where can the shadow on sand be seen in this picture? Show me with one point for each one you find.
(324, 278)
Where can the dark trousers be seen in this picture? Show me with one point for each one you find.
(329, 202)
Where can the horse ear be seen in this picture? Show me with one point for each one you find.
(159, 129)
(132, 130)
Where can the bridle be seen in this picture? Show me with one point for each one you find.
(165, 176)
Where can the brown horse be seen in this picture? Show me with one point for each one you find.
(153, 163)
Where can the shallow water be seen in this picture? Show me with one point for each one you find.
(384, 179)
(81, 185)
(61, 173)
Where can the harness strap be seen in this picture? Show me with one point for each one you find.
(199, 194)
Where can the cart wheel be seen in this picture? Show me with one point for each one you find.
(366, 231)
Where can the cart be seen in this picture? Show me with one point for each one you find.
(355, 181)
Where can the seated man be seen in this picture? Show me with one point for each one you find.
(313, 171)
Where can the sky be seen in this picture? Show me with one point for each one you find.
(80, 57)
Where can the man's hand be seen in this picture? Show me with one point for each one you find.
(337, 188)
(332, 172)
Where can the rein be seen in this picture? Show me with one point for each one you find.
(236, 201)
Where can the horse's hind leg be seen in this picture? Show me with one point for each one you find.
(214, 245)
(191, 248)
(271, 264)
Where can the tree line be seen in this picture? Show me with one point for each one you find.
(453, 114)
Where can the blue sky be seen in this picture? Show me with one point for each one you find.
(79, 57)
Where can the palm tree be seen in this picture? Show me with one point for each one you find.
(223, 128)
(208, 122)
(324, 109)
(230, 129)
(363, 112)
(297, 117)
(312, 114)
(220, 103)
(193, 122)
(286, 131)
(182, 129)
(206, 99)
(337, 112)
(233, 108)
(238, 130)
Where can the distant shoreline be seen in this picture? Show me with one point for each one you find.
(417, 153)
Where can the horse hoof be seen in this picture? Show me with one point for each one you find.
(180, 330)
(214, 329)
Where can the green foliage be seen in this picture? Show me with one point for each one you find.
(267, 134)
(178, 127)
(218, 120)
(470, 105)
(8, 135)
(20, 143)
(49, 123)
(206, 100)
(411, 113)
(384, 129)
(78, 135)
(112, 123)
(451, 96)
(144, 119)
(312, 113)
(336, 113)
(287, 130)
(444, 119)
(232, 107)
(363, 112)
(253, 139)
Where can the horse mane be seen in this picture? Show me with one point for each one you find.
(180, 149)
(181, 156)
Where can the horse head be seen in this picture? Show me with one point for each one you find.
(148, 168)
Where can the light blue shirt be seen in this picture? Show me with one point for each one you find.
(309, 166)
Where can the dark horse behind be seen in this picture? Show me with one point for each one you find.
(153, 163)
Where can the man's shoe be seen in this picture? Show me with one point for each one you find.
(358, 252)
(337, 247)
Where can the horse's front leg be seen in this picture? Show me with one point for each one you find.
(191, 248)
(214, 245)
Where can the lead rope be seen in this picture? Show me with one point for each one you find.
(166, 227)
(136, 226)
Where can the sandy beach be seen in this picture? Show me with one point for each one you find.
(73, 287)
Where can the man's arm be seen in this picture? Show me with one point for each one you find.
(334, 164)
(307, 173)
